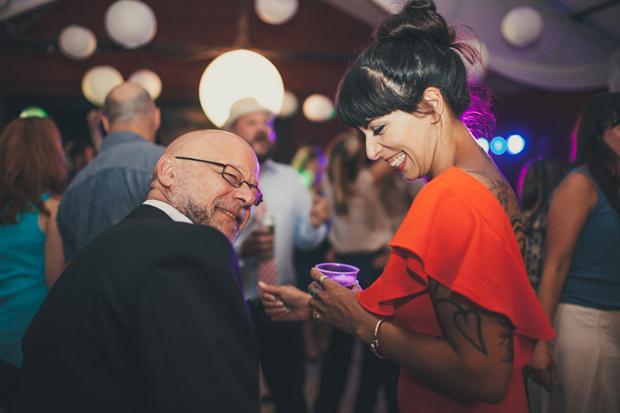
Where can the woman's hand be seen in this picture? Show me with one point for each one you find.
(542, 366)
(285, 303)
(337, 305)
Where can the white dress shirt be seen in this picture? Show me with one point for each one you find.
(171, 211)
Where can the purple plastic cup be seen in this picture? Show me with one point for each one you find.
(343, 274)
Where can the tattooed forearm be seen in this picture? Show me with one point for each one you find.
(507, 339)
(464, 320)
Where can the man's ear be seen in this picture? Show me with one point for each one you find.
(166, 171)
(156, 118)
(434, 99)
(105, 123)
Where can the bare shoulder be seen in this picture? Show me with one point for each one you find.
(578, 182)
(491, 178)
(576, 188)
(52, 204)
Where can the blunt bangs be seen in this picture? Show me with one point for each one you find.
(359, 100)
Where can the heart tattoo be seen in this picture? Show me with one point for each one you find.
(464, 318)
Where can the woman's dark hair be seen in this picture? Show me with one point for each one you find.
(601, 113)
(31, 162)
(413, 50)
(345, 160)
(539, 178)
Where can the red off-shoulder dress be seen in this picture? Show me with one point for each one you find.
(457, 233)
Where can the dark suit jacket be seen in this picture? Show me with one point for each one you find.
(149, 317)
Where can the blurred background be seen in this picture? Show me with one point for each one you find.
(544, 59)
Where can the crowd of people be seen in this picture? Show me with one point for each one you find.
(174, 278)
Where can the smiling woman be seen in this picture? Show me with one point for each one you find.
(453, 306)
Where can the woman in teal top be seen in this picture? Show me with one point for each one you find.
(580, 286)
(32, 175)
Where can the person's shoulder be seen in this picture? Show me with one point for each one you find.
(79, 182)
(577, 187)
(579, 182)
(144, 223)
(456, 191)
(52, 203)
(193, 234)
(447, 185)
(579, 176)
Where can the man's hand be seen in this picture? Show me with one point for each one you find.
(319, 211)
(285, 303)
(93, 119)
(258, 244)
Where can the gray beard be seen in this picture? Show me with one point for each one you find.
(184, 202)
(201, 217)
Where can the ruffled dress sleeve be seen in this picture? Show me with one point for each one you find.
(457, 233)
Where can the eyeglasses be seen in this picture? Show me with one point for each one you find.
(233, 176)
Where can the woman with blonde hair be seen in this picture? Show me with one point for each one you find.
(32, 177)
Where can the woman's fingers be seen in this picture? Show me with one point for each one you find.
(327, 283)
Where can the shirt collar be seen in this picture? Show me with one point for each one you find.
(171, 211)
(119, 137)
(267, 164)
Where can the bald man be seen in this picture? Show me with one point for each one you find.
(150, 316)
(118, 179)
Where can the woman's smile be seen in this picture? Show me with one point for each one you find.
(398, 161)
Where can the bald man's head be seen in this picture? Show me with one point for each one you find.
(198, 189)
(130, 107)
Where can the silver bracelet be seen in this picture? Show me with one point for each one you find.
(374, 346)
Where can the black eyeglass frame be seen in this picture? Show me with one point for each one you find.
(257, 200)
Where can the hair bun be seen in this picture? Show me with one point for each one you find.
(417, 20)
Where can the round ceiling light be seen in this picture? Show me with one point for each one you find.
(522, 26)
(98, 82)
(130, 23)
(290, 104)
(149, 80)
(276, 11)
(77, 42)
(318, 108)
(236, 75)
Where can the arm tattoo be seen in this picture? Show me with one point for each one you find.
(517, 226)
(507, 200)
(465, 318)
(507, 338)
(498, 187)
